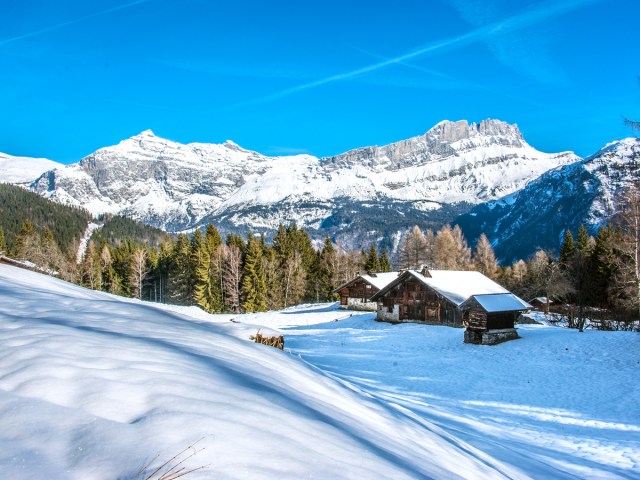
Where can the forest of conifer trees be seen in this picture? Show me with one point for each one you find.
(595, 278)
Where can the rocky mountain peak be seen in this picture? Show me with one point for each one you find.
(495, 131)
(445, 139)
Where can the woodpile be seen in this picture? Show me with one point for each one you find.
(273, 341)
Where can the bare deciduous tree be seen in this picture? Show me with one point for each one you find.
(139, 271)
(232, 277)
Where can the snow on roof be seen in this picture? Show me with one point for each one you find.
(501, 302)
(541, 300)
(380, 280)
(457, 286)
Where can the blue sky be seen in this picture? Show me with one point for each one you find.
(285, 77)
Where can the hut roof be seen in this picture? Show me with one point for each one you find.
(500, 302)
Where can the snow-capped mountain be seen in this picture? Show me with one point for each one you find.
(587, 192)
(433, 176)
(21, 170)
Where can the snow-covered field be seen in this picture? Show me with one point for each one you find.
(94, 386)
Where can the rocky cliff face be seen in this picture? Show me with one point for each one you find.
(588, 192)
(438, 175)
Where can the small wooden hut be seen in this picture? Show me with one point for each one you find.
(491, 318)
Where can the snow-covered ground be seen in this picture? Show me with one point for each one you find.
(94, 386)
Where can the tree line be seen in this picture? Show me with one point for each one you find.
(232, 275)
(591, 275)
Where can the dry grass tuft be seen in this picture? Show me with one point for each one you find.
(173, 468)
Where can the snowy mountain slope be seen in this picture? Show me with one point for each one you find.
(587, 192)
(94, 386)
(21, 170)
(177, 186)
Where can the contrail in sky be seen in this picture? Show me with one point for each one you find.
(548, 9)
(71, 22)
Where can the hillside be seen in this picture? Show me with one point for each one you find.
(100, 394)
(96, 386)
(17, 204)
(117, 229)
(587, 192)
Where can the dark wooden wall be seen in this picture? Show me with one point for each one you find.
(420, 303)
(358, 289)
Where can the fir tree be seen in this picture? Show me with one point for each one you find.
(26, 241)
(582, 241)
(567, 250)
(372, 264)
(254, 286)
(180, 287)
(385, 264)
(602, 266)
(327, 269)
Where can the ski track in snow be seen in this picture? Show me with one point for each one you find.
(84, 241)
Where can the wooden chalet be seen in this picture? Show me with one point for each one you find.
(431, 296)
(491, 318)
(541, 303)
(356, 293)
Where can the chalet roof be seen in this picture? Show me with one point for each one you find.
(540, 300)
(454, 285)
(378, 280)
(500, 302)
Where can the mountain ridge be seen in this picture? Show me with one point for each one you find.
(362, 196)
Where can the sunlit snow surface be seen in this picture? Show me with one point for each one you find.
(23, 169)
(94, 386)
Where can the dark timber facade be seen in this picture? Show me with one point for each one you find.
(413, 301)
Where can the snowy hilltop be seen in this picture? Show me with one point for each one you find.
(23, 170)
(94, 386)
(176, 187)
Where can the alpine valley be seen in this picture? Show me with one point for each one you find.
(484, 176)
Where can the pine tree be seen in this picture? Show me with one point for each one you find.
(254, 288)
(327, 270)
(373, 263)
(27, 241)
(180, 286)
(567, 250)
(385, 264)
(602, 266)
(582, 242)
